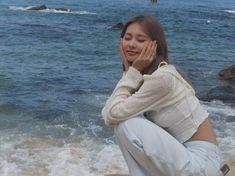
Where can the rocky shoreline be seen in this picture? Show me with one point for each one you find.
(224, 93)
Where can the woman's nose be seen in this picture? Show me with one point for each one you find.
(132, 43)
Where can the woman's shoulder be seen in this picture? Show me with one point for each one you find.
(161, 72)
(160, 78)
(164, 71)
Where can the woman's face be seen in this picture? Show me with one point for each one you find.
(134, 40)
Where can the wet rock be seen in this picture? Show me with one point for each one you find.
(224, 93)
(117, 26)
(228, 73)
(62, 9)
(42, 7)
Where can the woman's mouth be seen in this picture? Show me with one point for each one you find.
(131, 53)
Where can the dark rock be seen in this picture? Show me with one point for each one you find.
(42, 7)
(61, 9)
(117, 26)
(228, 73)
(230, 119)
(224, 93)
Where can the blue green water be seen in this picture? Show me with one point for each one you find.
(57, 70)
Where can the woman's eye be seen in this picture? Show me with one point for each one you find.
(141, 40)
(127, 38)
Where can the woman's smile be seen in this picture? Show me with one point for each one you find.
(132, 53)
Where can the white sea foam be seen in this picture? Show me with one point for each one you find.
(50, 10)
(217, 106)
(7, 168)
(27, 155)
(230, 11)
(17, 8)
(225, 129)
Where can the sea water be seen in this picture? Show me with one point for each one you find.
(57, 69)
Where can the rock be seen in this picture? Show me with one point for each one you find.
(42, 7)
(61, 9)
(224, 93)
(230, 119)
(116, 26)
(228, 73)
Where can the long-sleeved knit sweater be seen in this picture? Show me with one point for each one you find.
(166, 98)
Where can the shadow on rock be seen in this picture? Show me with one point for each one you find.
(117, 26)
(228, 73)
(42, 7)
(224, 93)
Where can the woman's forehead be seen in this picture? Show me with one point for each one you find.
(136, 29)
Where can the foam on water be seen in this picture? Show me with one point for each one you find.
(230, 11)
(24, 155)
(68, 11)
(223, 119)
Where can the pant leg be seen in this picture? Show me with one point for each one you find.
(134, 167)
(150, 151)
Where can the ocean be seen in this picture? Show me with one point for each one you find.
(57, 69)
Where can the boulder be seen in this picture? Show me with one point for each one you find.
(62, 9)
(117, 26)
(42, 7)
(224, 93)
(228, 73)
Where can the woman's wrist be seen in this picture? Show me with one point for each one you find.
(135, 66)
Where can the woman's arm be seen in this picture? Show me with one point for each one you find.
(129, 99)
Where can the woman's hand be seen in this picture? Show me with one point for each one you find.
(146, 56)
(124, 58)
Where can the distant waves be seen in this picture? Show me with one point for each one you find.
(230, 11)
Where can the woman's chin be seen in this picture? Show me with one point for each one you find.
(131, 59)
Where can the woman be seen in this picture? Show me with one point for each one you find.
(160, 126)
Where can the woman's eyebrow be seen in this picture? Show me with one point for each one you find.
(141, 35)
(128, 33)
(138, 35)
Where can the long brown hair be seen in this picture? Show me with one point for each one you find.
(153, 29)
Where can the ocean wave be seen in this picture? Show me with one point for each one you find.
(223, 119)
(51, 10)
(84, 156)
(217, 106)
(230, 11)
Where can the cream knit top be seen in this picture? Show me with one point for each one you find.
(164, 97)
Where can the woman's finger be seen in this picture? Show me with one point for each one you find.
(154, 49)
(149, 51)
(143, 52)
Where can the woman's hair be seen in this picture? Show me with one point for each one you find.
(153, 29)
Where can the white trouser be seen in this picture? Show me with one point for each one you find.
(150, 151)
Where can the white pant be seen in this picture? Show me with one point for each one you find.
(150, 151)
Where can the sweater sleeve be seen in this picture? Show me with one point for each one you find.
(130, 99)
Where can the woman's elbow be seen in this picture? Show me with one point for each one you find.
(108, 120)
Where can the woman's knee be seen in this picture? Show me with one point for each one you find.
(128, 125)
(128, 130)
